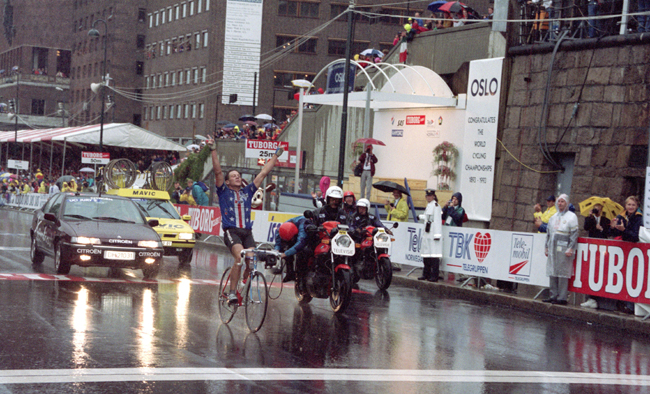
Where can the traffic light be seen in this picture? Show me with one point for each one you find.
(12, 105)
(232, 99)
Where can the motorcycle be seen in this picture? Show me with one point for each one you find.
(371, 259)
(326, 272)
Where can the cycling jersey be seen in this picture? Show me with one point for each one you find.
(236, 206)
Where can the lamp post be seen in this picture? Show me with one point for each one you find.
(302, 84)
(95, 87)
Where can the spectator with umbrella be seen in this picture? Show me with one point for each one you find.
(367, 160)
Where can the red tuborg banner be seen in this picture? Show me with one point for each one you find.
(612, 269)
(205, 220)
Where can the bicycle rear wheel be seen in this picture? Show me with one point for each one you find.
(256, 301)
(226, 311)
(274, 281)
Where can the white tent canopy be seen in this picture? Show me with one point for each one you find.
(124, 135)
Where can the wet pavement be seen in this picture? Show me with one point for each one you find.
(98, 331)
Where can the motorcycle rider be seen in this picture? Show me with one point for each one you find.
(349, 205)
(363, 219)
(291, 240)
(331, 211)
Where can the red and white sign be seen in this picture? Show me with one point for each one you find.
(612, 269)
(95, 157)
(415, 119)
(291, 163)
(205, 220)
(264, 149)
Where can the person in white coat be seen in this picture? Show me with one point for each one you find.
(561, 243)
(431, 246)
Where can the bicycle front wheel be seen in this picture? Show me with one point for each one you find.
(274, 281)
(226, 311)
(256, 301)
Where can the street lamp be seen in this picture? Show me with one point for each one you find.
(302, 84)
(96, 86)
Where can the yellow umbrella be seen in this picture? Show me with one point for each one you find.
(610, 208)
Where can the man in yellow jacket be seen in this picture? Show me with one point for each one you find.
(398, 211)
(542, 222)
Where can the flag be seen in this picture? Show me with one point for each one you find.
(403, 51)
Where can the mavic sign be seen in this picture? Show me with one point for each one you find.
(95, 157)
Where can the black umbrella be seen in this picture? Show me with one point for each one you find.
(64, 178)
(389, 186)
(244, 118)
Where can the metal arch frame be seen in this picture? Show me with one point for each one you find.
(376, 66)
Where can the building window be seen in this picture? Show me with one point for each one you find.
(336, 47)
(204, 75)
(180, 78)
(139, 68)
(184, 5)
(153, 109)
(207, 5)
(170, 14)
(164, 110)
(177, 8)
(308, 46)
(169, 47)
(166, 79)
(193, 110)
(146, 82)
(201, 110)
(179, 111)
(158, 111)
(171, 112)
(284, 78)
(139, 41)
(162, 48)
(173, 79)
(150, 21)
(197, 38)
(199, 5)
(188, 78)
(160, 81)
(163, 16)
(153, 82)
(205, 39)
(195, 71)
(191, 7)
(186, 110)
(306, 9)
(142, 14)
(145, 111)
(38, 107)
(157, 18)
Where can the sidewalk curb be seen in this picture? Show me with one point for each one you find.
(589, 316)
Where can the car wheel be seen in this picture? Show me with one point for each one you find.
(36, 255)
(61, 267)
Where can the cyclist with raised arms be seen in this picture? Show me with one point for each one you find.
(235, 205)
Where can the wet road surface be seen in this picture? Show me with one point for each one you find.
(96, 331)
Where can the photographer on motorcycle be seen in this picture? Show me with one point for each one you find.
(332, 210)
(291, 239)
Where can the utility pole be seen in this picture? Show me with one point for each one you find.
(346, 82)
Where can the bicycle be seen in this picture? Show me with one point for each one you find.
(252, 292)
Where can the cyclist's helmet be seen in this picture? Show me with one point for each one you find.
(287, 231)
(334, 192)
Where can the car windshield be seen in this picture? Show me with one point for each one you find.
(101, 209)
(157, 208)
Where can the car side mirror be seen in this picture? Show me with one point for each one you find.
(395, 225)
(186, 218)
(50, 217)
(153, 222)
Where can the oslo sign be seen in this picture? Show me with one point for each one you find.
(336, 76)
(95, 157)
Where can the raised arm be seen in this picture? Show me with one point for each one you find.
(216, 166)
(267, 167)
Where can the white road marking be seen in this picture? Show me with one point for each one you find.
(34, 376)
(15, 248)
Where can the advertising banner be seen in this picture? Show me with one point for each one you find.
(479, 147)
(18, 164)
(264, 149)
(205, 220)
(95, 157)
(612, 269)
(335, 77)
(242, 50)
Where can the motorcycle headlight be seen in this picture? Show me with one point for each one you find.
(85, 240)
(149, 244)
(185, 236)
(383, 237)
(343, 242)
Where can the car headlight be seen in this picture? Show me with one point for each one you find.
(149, 244)
(86, 240)
(185, 235)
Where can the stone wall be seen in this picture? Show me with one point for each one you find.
(607, 137)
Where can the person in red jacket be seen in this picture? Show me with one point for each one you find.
(368, 159)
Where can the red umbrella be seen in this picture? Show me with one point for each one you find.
(369, 141)
(452, 7)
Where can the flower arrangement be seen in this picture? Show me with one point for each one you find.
(444, 161)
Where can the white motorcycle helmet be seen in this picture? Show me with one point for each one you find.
(363, 202)
(334, 192)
